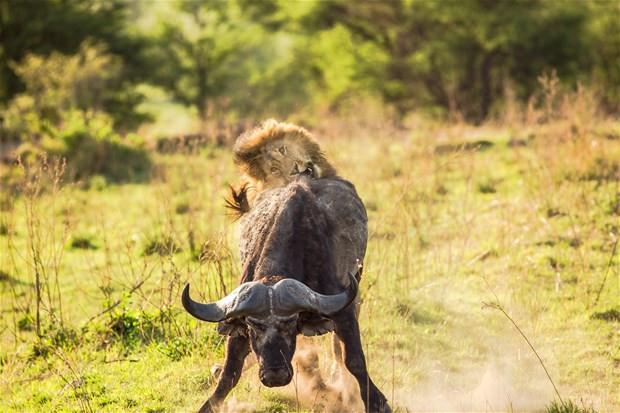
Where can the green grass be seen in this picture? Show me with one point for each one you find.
(532, 226)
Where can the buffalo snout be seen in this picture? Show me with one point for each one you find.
(276, 377)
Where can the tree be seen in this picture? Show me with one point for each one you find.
(42, 28)
(199, 50)
(457, 55)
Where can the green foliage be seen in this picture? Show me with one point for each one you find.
(62, 27)
(223, 63)
(82, 243)
(53, 339)
(177, 347)
(91, 147)
(132, 327)
(567, 407)
(97, 183)
(198, 56)
(162, 245)
(70, 108)
(604, 40)
(91, 79)
(26, 323)
(86, 140)
(243, 59)
(127, 325)
(459, 56)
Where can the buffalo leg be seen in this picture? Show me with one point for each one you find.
(237, 348)
(347, 330)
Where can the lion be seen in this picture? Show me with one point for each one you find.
(272, 155)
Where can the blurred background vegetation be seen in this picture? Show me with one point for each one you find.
(82, 76)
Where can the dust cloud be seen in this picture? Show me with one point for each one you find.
(496, 386)
(508, 378)
(337, 393)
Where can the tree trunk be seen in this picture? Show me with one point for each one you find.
(203, 91)
(486, 86)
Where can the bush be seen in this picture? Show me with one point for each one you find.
(132, 327)
(92, 78)
(55, 338)
(82, 243)
(70, 108)
(176, 348)
(568, 407)
(163, 245)
(91, 147)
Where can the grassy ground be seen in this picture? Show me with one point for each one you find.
(525, 217)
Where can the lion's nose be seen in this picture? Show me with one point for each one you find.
(309, 170)
(303, 168)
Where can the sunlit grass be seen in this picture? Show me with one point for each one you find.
(533, 226)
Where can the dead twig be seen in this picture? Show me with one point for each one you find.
(497, 306)
(120, 300)
(121, 360)
(611, 259)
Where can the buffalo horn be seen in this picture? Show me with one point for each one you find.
(294, 296)
(246, 299)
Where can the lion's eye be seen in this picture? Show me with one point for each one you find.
(282, 150)
(274, 170)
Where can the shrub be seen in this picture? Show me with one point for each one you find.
(70, 107)
(90, 79)
(26, 323)
(126, 325)
(132, 327)
(176, 348)
(567, 407)
(82, 243)
(92, 147)
(55, 338)
(164, 245)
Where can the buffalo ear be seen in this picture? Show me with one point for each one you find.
(232, 328)
(314, 325)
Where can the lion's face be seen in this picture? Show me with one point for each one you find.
(283, 159)
(271, 156)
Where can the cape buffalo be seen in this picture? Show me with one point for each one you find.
(300, 248)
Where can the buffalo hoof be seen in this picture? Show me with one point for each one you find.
(380, 406)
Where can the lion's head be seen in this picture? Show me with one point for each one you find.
(271, 155)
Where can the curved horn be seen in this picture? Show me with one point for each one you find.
(245, 299)
(294, 296)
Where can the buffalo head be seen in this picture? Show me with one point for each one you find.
(270, 316)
